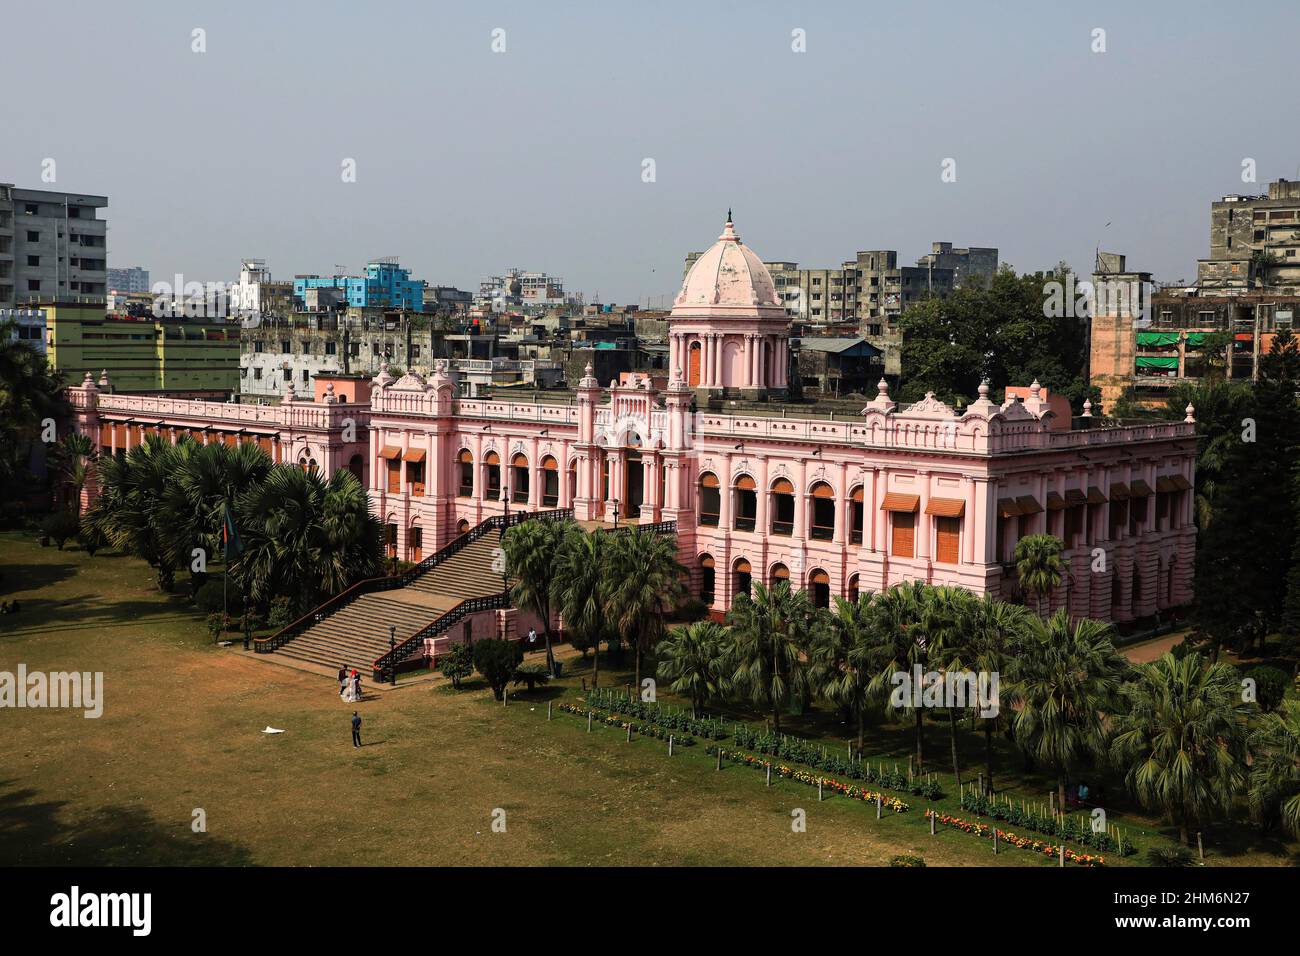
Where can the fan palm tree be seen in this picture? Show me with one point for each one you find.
(129, 512)
(772, 630)
(581, 585)
(76, 456)
(996, 626)
(531, 549)
(1181, 732)
(694, 660)
(1038, 565)
(946, 617)
(305, 536)
(841, 659)
(29, 396)
(647, 585)
(1275, 768)
(1065, 679)
(900, 644)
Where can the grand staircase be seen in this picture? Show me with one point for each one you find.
(353, 628)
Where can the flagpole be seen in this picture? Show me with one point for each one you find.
(225, 566)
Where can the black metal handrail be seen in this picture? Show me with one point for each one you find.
(400, 652)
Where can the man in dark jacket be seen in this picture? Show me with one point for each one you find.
(356, 729)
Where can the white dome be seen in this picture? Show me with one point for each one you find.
(728, 279)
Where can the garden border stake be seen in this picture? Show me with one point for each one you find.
(1062, 853)
(819, 789)
(931, 820)
(995, 841)
(670, 745)
(877, 806)
(588, 721)
(769, 775)
(1200, 847)
(548, 710)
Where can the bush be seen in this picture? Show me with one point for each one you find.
(496, 660)
(457, 663)
(208, 598)
(580, 642)
(532, 675)
(1270, 686)
(1169, 856)
(692, 609)
(282, 613)
(61, 525)
(907, 861)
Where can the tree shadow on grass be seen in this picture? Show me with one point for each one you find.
(32, 834)
(47, 615)
(18, 576)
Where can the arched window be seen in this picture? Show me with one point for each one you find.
(414, 543)
(465, 464)
(462, 527)
(706, 578)
(710, 499)
(519, 479)
(854, 590)
(550, 482)
(746, 504)
(823, 512)
(357, 466)
(855, 525)
(492, 465)
(742, 575)
(782, 507)
(819, 585)
(779, 573)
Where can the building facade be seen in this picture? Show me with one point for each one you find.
(52, 246)
(835, 504)
(133, 280)
(385, 285)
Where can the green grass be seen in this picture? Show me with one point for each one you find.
(181, 730)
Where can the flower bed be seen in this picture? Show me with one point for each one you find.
(986, 831)
(674, 720)
(645, 729)
(1067, 828)
(816, 756)
(853, 792)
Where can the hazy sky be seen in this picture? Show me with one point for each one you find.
(470, 161)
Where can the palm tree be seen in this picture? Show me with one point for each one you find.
(996, 626)
(900, 645)
(1181, 731)
(1065, 680)
(29, 395)
(129, 512)
(647, 585)
(305, 536)
(531, 549)
(581, 585)
(841, 659)
(1038, 565)
(1275, 768)
(694, 659)
(76, 455)
(946, 617)
(772, 631)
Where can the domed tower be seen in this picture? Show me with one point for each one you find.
(728, 333)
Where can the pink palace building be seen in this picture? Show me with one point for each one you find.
(758, 488)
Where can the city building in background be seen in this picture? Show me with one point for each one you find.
(385, 285)
(28, 326)
(518, 289)
(132, 280)
(52, 246)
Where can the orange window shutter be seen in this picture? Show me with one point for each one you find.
(903, 544)
(947, 540)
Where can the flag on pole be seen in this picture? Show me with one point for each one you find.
(229, 533)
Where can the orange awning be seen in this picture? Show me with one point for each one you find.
(1181, 483)
(1119, 491)
(414, 454)
(945, 507)
(1075, 497)
(1096, 496)
(709, 480)
(1007, 508)
(390, 451)
(894, 501)
(822, 490)
(745, 483)
(1165, 484)
(1028, 504)
(782, 487)
(1141, 489)
(1055, 502)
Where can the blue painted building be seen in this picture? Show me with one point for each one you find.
(386, 285)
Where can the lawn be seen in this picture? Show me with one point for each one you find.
(181, 730)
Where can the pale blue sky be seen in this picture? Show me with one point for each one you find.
(469, 161)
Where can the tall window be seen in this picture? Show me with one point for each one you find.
(902, 534)
(819, 587)
(782, 507)
(550, 482)
(743, 576)
(947, 535)
(492, 467)
(855, 525)
(415, 477)
(780, 573)
(710, 499)
(823, 512)
(519, 467)
(465, 462)
(746, 504)
(706, 578)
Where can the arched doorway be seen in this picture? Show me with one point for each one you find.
(492, 470)
(819, 587)
(633, 483)
(693, 366)
(823, 512)
(356, 465)
(743, 576)
(465, 467)
(462, 527)
(780, 574)
(782, 507)
(550, 482)
(519, 480)
(710, 503)
(746, 504)
(707, 581)
(414, 543)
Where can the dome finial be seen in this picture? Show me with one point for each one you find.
(728, 214)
